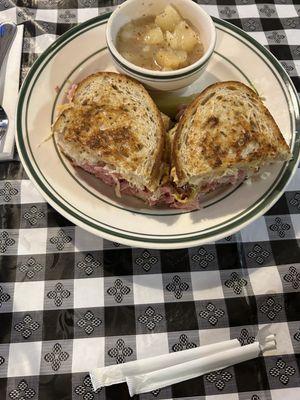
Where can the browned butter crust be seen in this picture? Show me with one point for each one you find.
(218, 127)
(105, 130)
(111, 116)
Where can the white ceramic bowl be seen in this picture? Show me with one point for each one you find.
(161, 80)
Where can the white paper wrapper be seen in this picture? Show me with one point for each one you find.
(117, 373)
(9, 88)
(157, 379)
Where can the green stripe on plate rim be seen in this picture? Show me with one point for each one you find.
(266, 200)
(60, 156)
(137, 212)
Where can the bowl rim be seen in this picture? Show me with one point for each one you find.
(155, 78)
(160, 74)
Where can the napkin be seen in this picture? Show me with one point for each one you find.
(156, 372)
(114, 374)
(9, 88)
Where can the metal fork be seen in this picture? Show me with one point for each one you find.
(7, 34)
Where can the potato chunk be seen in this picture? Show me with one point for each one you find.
(172, 40)
(154, 36)
(168, 19)
(185, 38)
(170, 59)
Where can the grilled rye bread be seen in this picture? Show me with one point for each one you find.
(112, 129)
(224, 131)
(112, 126)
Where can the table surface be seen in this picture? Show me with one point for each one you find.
(70, 301)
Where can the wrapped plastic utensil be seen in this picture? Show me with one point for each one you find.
(117, 373)
(156, 379)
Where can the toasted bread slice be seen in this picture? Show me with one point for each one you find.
(225, 129)
(113, 121)
(166, 121)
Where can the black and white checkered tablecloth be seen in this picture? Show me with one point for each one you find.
(70, 301)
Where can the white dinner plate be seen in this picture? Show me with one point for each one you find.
(89, 203)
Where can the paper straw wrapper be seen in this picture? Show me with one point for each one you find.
(157, 379)
(117, 373)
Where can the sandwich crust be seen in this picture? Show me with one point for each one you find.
(226, 126)
(113, 120)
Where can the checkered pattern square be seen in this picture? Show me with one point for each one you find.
(71, 301)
